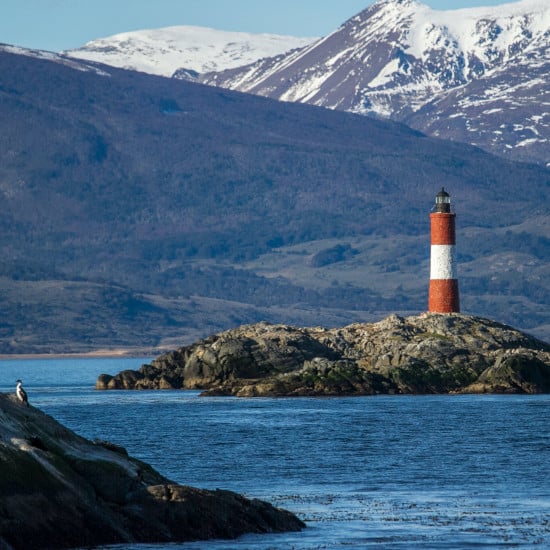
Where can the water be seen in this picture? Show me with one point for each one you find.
(367, 472)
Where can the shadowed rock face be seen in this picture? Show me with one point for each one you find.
(428, 353)
(59, 490)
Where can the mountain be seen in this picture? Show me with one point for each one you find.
(140, 212)
(190, 50)
(476, 75)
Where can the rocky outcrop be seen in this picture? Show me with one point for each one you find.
(59, 490)
(428, 353)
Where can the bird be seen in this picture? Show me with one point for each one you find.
(21, 393)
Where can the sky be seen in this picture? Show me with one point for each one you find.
(57, 25)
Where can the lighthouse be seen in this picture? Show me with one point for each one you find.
(443, 294)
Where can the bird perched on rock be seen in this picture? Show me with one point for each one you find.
(21, 393)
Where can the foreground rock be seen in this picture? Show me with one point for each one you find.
(428, 353)
(59, 490)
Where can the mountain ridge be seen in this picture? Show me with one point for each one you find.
(398, 59)
(474, 75)
(184, 49)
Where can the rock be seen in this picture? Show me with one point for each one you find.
(125, 380)
(427, 353)
(59, 490)
(102, 382)
(518, 372)
(200, 515)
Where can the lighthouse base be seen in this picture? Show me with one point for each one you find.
(443, 296)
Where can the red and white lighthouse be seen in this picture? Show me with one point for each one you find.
(443, 294)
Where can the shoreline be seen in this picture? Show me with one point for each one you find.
(97, 354)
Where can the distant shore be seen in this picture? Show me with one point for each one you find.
(96, 354)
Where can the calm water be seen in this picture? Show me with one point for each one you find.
(370, 472)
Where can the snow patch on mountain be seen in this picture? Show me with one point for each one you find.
(437, 50)
(197, 49)
(493, 36)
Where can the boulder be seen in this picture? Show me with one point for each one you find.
(515, 372)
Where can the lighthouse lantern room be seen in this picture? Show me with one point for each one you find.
(443, 292)
(442, 201)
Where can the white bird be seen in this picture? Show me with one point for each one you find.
(21, 393)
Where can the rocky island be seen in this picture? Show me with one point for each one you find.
(59, 490)
(427, 353)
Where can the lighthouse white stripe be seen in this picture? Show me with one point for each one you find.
(442, 261)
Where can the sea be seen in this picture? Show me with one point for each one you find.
(418, 472)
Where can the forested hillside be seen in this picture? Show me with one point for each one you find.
(140, 211)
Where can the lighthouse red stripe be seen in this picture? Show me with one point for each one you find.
(442, 228)
(443, 296)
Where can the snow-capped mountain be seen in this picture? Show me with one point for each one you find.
(476, 75)
(195, 49)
